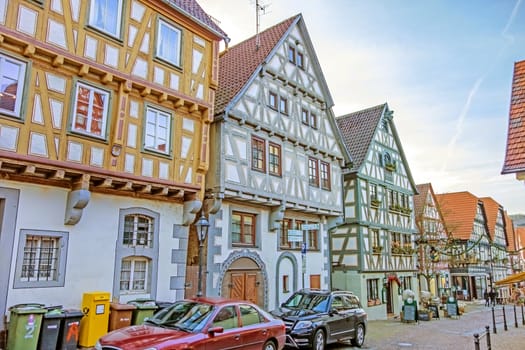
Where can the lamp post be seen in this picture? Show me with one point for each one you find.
(202, 231)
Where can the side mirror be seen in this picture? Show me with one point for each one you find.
(213, 330)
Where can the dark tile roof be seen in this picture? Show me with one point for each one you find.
(459, 211)
(357, 130)
(193, 9)
(515, 153)
(239, 63)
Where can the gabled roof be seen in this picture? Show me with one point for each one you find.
(511, 233)
(491, 213)
(459, 211)
(520, 233)
(192, 9)
(515, 153)
(420, 199)
(240, 62)
(358, 129)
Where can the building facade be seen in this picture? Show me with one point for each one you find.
(434, 275)
(104, 116)
(373, 251)
(274, 183)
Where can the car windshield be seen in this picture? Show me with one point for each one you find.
(314, 302)
(189, 316)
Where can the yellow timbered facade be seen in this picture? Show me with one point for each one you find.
(104, 119)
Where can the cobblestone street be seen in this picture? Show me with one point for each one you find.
(448, 333)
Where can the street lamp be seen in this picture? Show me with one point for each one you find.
(202, 231)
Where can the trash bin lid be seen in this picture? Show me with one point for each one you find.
(28, 309)
(121, 307)
(54, 313)
(70, 313)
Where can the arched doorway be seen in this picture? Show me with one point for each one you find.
(242, 281)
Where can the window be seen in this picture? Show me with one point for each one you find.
(138, 231)
(372, 289)
(168, 43)
(304, 116)
(90, 112)
(274, 161)
(286, 284)
(226, 318)
(373, 192)
(286, 224)
(249, 315)
(313, 120)
(283, 105)
(375, 238)
(300, 60)
(136, 253)
(41, 259)
(291, 54)
(106, 15)
(12, 74)
(243, 229)
(311, 239)
(313, 172)
(258, 154)
(158, 130)
(272, 101)
(325, 175)
(134, 274)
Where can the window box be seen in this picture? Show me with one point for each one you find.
(375, 202)
(377, 249)
(390, 166)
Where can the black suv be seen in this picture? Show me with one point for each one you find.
(314, 318)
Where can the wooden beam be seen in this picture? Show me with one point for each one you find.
(58, 61)
(145, 189)
(107, 78)
(163, 97)
(145, 92)
(128, 186)
(106, 183)
(58, 174)
(29, 50)
(29, 170)
(84, 70)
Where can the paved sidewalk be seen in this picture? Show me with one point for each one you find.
(448, 333)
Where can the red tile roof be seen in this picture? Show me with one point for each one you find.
(511, 234)
(491, 212)
(520, 233)
(240, 62)
(357, 130)
(459, 211)
(420, 198)
(515, 153)
(192, 8)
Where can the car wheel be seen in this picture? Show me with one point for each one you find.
(359, 338)
(269, 345)
(318, 343)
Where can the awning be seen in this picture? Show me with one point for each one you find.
(516, 278)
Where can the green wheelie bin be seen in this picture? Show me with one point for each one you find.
(25, 321)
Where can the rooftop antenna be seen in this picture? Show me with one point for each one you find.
(258, 9)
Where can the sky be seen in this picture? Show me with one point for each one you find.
(444, 67)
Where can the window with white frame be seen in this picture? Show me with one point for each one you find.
(90, 112)
(136, 258)
(168, 42)
(12, 74)
(157, 131)
(134, 274)
(106, 16)
(41, 259)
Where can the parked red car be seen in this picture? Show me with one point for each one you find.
(201, 323)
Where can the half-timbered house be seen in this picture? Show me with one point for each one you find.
(274, 181)
(476, 257)
(431, 243)
(104, 115)
(373, 252)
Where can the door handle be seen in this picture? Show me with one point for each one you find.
(264, 331)
(237, 336)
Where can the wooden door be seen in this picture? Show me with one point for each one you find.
(315, 281)
(244, 286)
